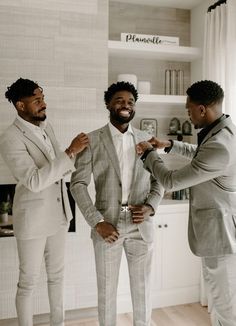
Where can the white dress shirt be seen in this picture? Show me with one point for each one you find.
(40, 133)
(125, 149)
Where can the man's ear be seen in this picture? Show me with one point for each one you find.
(202, 110)
(20, 106)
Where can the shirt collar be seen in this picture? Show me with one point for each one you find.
(31, 126)
(115, 132)
(202, 134)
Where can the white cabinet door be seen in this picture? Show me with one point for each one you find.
(180, 267)
(176, 271)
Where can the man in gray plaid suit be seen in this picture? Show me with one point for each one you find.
(125, 203)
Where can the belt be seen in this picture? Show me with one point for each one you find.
(124, 208)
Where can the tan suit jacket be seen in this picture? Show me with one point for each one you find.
(211, 174)
(40, 203)
(100, 159)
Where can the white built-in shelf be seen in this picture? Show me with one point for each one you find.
(150, 51)
(162, 99)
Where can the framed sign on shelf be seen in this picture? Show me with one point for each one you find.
(150, 126)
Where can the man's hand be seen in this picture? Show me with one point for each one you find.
(157, 143)
(140, 212)
(142, 147)
(78, 144)
(107, 231)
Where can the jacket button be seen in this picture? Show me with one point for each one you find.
(58, 199)
(57, 183)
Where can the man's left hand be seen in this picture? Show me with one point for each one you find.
(140, 212)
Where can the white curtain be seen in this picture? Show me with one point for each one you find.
(219, 65)
(219, 53)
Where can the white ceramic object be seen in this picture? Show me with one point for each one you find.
(144, 87)
(4, 218)
(128, 78)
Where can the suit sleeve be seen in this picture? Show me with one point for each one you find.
(80, 181)
(184, 149)
(156, 193)
(24, 168)
(210, 162)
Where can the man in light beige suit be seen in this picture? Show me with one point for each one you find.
(211, 174)
(126, 200)
(41, 211)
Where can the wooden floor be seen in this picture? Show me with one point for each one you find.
(183, 315)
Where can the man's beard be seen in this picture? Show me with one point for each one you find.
(39, 118)
(116, 117)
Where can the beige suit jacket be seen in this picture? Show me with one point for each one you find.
(101, 161)
(211, 174)
(40, 203)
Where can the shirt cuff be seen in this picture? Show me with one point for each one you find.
(145, 154)
(168, 149)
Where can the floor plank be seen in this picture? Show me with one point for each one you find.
(183, 315)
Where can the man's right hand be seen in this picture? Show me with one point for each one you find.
(157, 143)
(107, 231)
(78, 144)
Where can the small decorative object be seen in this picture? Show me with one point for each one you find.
(174, 127)
(144, 87)
(173, 82)
(128, 78)
(167, 81)
(186, 128)
(5, 207)
(180, 82)
(149, 39)
(150, 126)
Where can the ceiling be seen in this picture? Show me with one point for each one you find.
(182, 4)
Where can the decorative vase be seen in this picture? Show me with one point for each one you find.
(3, 217)
(186, 128)
(128, 78)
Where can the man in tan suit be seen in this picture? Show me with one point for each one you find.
(211, 174)
(41, 211)
(126, 200)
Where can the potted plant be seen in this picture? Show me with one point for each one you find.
(5, 207)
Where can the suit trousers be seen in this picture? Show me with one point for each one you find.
(220, 276)
(31, 253)
(139, 258)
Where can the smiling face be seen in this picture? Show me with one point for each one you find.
(122, 108)
(32, 108)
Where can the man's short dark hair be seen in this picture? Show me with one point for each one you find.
(20, 89)
(205, 92)
(117, 87)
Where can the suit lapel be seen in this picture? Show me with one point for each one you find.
(108, 143)
(137, 139)
(31, 137)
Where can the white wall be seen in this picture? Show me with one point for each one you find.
(63, 46)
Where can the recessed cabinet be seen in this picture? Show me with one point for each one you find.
(149, 62)
(117, 49)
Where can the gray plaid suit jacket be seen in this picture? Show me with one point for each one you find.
(100, 159)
